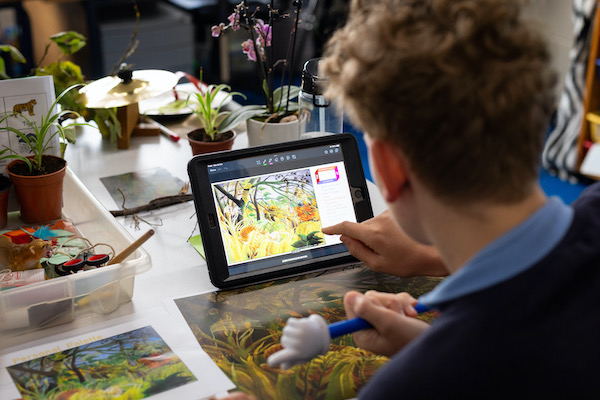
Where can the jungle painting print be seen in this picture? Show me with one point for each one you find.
(132, 365)
(240, 328)
(268, 215)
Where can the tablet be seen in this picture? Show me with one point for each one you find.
(261, 209)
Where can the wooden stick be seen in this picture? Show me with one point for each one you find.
(131, 248)
(154, 204)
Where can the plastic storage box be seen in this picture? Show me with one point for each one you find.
(60, 300)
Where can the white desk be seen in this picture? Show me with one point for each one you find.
(177, 269)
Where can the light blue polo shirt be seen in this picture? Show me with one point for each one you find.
(509, 255)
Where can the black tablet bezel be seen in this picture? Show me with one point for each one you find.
(206, 211)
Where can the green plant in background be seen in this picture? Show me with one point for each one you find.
(15, 55)
(213, 118)
(67, 74)
(40, 141)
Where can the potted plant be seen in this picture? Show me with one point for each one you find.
(65, 74)
(277, 119)
(217, 131)
(38, 177)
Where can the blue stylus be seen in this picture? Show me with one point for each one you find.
(342, 328)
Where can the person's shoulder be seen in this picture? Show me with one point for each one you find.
(589, 194)
(587, 207)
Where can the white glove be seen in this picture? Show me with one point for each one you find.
(302, 340)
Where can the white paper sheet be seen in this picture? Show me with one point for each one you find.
(591, 163)
(207, 380)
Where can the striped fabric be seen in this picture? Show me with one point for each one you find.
(560, 151)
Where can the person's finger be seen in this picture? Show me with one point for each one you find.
(349, 301)
(387, 300)
(399, 302)
(361, 251)
(348, 228)
(378, 315)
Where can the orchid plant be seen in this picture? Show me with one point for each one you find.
(258, 48)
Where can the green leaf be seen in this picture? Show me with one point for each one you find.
(3, 70)
(15, 54)
(282, 93)
(240, 115)
(70, 134)
(69, 42)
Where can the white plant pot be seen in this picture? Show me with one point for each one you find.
(260, 133)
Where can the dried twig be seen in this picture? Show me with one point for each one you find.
(154, 204)
(136, 219)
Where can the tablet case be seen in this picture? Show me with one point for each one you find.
(275, 161)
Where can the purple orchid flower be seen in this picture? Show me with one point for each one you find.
(248, 50)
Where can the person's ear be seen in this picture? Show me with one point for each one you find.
(390, 168)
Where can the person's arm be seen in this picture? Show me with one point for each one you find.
(392, 317)
(382, 245)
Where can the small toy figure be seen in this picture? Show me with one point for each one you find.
(23, 256)
(305, 338)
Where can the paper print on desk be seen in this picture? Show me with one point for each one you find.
(141, 187)
(240, 328)
(145, 358)
(135, 364)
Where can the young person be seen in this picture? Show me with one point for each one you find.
(454, 97)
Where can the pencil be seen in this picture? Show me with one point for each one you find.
(164, 130)
(131, 248)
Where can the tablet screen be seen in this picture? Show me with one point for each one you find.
(261, 210)
(271, 208)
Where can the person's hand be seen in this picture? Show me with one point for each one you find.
(392, 317)
(384, 247)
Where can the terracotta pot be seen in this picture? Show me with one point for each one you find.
(199, 146)
(4, 190)
(40, 197)
(260, 133)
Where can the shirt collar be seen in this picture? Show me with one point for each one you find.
(509, 255)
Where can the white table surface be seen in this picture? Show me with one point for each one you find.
(177, 269)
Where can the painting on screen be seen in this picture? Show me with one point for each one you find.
(268, 215)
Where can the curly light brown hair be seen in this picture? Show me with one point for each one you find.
(463, 87)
